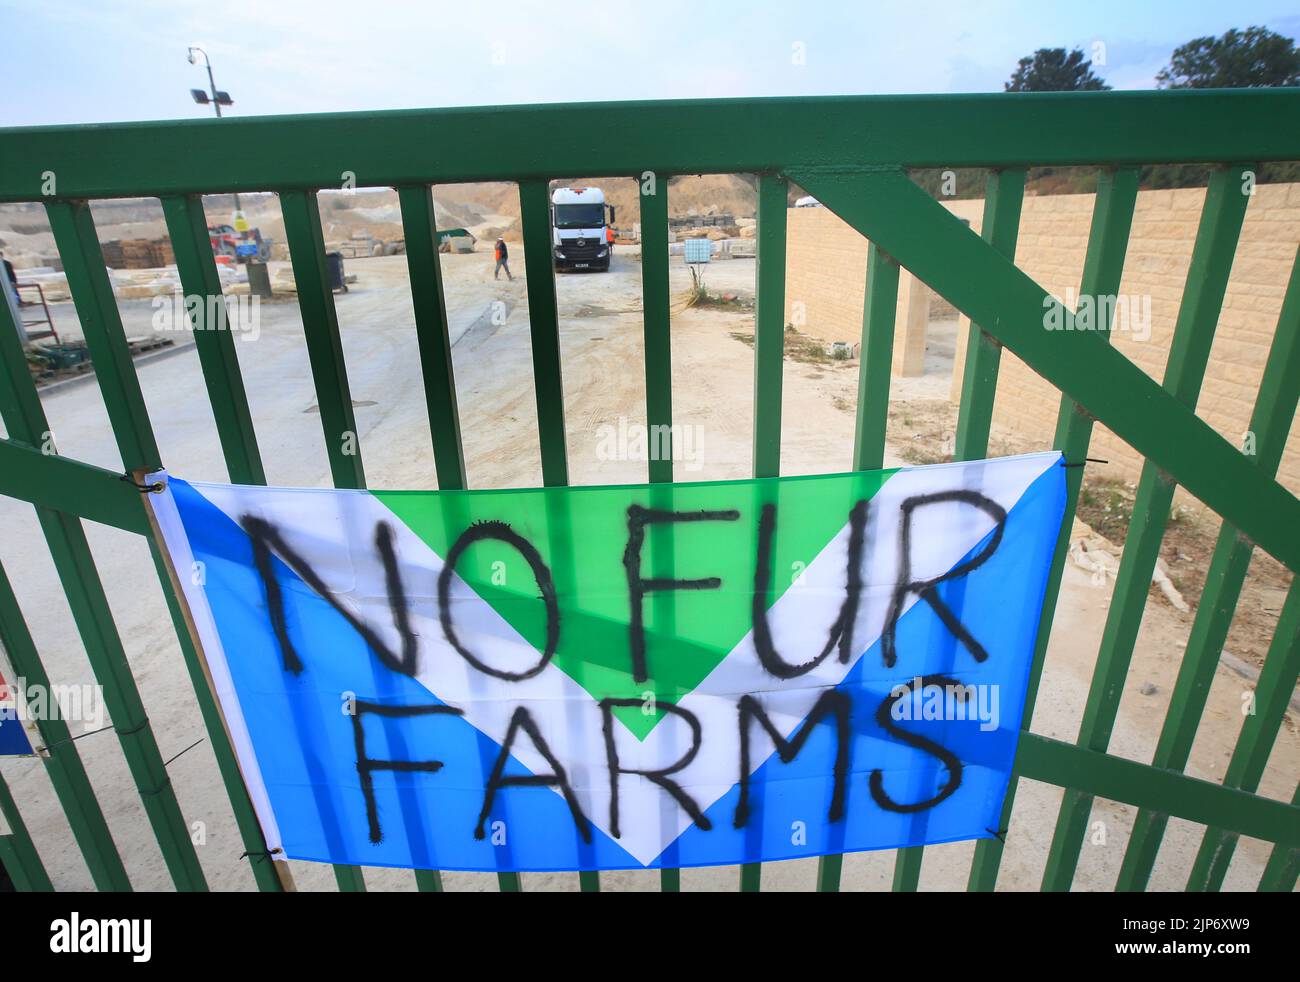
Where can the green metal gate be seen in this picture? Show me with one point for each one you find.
(850, 153)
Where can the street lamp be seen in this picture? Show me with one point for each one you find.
(218, 98)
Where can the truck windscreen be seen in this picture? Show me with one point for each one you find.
(579, 216)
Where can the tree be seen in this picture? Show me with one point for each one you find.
(1251, 58)
(1052, 70)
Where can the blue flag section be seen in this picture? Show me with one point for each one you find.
(622, 677)
(14, 741)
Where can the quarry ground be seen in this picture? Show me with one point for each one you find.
(602, 350)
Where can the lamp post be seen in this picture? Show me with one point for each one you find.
(215, 96)
(218, 98)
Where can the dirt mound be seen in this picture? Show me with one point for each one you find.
(707, 194)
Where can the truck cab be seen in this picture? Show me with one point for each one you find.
(582, 234)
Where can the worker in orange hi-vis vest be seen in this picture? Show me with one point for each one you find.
(502, 257)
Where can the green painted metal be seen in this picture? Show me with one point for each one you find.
(187, 226)
(655, 321)
(425, 269)
(1207, 281)
(657, 335)
(428, 881)
(769, 324)
(907, 869)
(18, 853)
(390, 149)
(829, 870)
(1102, 775)
(544, 328)
(1273, 691)
(889, 208)
(430, 307)
(1004, 194)
(769, 354)
(75, 234)
(62, 761)
(548, 384)
(1103, 265)
(320, 325)
(851, 153)
(84, 490)
(1283, 868)
(85, 593)
(879, 306)
(1270, 423)
(510, 883)
(92, 295)
(349, 879)
(979, 381)
(25, 420)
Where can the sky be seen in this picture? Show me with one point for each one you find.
(81, 61)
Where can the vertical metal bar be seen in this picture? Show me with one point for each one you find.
(425, 269)
(656, 323)
(17, 851)
(769, 354)
(1275, 408)
(430, 306)
(62, 761)
(829, 869)
(187, 228)
(19, 403)
(657, 334)
(1103, 266)
(349, 878)
(769, 324)
(428, 881)
(1004, 194)
(75, 231)
(1000, 228)
(186, 225)
(1207, 280)
(320, 325)
(92, 293)
(879, 309)
(1259, 731)
(1283, 867)
(548, 385)
(544, 328)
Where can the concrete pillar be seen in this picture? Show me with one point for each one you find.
(959, 357)
(912, 322)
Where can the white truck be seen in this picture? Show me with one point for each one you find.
(582, 231)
